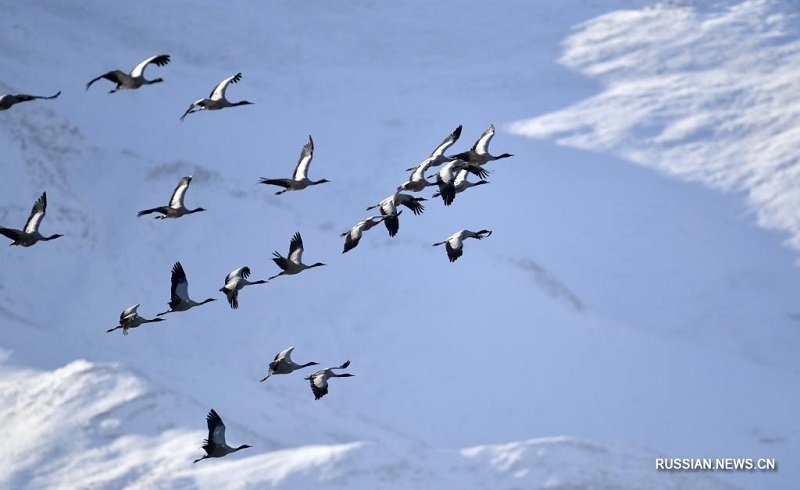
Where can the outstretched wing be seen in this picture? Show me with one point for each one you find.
(414, 206)
(285, 354)
(26, 98)
(453, 253)
(115, 76)
(296, 249)
(482, 145)
(128, 312)
(180, 285)
(243, 272)
(37, 214)
(158, 60)
(447, 143)
(319, 384)
(219, 91)
(176, 201)
(306, 154)
(216, 429)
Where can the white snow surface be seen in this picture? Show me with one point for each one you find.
(615, 315)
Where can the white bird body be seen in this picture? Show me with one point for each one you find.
(479, 153)
(175, 208)
(216, 100)
(129, 318)
(30, 235)
(215, 445)
(8, 100)
(179, 293)
(454, 245)
(319, 380)
(234, 282)
(293, 262)
(283, 364)
(299, 180)
(388, 209)
(353, 235)
(134, 79)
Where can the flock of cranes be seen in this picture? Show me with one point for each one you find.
(450, 179)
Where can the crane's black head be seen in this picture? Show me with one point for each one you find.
(197, 210)
(322, 181)
(156, 80)
(504, 155)
(54, 236)
(244, 102)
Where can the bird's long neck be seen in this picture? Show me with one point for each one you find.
(209, 300)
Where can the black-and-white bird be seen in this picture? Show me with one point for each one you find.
(216, 100)
(319, 380)
(175, 208)
(446, 178)
(353, 235)
(215, 446)
(417, 181)
(134, 79)
(130, 319)
(7, 100)
(299, 180)
(283, 364)
(293, 262)
(479, 153)
(30, 234)
(454, 245)
(234, 282)
(388, 209)
(437, 157)
(179, 294)
(461, 183)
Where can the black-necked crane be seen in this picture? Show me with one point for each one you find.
(446, 178)
(215, 446)
(454, 245)
(388, 209)
(417, 181)
(353, 235)
(30, 234)
(234, 282)
(437, 157)
(299, 180)
(283, 364)
(479, 153)
(175, 208)
(293, 262)
(461, 183)
(319, 380)
(130, 319)
(216, 100)
(134, 79)
(179, 294)
(7, 100)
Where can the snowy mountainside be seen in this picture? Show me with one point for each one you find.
(107, 427)
(556, 324)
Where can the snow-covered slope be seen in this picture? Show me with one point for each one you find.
(612, 316)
